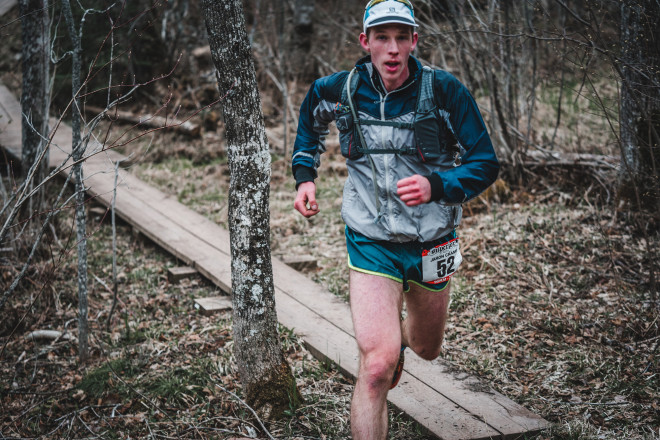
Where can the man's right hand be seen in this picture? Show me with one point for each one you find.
(306, 199)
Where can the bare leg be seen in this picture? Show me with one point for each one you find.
(424, 327)
(376, 307)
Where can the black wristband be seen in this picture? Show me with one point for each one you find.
(437, 187)
(303, 174)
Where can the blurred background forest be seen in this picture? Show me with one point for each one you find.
(556, 307)
(547, 73)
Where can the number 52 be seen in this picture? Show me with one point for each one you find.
(445, 266)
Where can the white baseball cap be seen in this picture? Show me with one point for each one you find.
(380, 12)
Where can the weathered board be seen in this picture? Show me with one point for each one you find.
(208, 306)
(451, 405)
(301, 263)
(6, 5)
(176, 274)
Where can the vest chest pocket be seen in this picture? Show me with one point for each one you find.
(348, 140)
(433, 138)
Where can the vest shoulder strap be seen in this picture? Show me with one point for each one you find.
(425, 104)
(350, 84)
(425, 94)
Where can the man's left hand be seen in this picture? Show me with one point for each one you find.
(414, 190)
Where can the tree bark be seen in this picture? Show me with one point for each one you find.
(35, 98)
(639, 118)
(268, 383)
(78, 150)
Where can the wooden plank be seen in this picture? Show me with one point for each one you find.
(209, 306)
(433, 411)
(509, 418)
(438, 414)
(158, 228)
(327, 308)
(98, 211)
(6, 5)
(322, 337)
(301, 263)
(217, 269)
(203, 228)
(166, 222)
(312, 295)
(162, 219)
(176, 274)
(506, 417)
(10, 124)
(167, 206)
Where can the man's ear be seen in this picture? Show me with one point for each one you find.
(364, 42)
(415, 38)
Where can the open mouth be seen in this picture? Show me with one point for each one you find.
(392, 65)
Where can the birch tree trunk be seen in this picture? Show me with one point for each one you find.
(268, 383)
(639, 117)
(35, 98)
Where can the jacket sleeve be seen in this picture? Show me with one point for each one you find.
(316, 113)
(479, 165)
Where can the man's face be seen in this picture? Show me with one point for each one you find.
(390, 46)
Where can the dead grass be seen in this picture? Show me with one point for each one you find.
(555, 311)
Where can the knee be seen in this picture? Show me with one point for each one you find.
(429, 352)
(377, 369)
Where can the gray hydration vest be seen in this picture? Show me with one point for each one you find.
(432, 135)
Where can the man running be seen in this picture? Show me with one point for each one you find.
(416, 147)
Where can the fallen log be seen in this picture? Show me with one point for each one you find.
(149, 120)
(202, 52)
(572, 171)
(536, 159)
(52, 335)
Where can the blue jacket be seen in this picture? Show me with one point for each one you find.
(453, 180)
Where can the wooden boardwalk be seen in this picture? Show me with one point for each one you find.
(451, 405)
(6, 5)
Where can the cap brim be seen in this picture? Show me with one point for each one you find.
(390, 20)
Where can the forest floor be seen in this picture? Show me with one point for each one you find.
(552, 307)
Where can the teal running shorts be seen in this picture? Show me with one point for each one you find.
(429, 265)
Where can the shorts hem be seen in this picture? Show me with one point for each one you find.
(371, 272)
(426, 286)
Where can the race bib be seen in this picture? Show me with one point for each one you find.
(441, 262)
